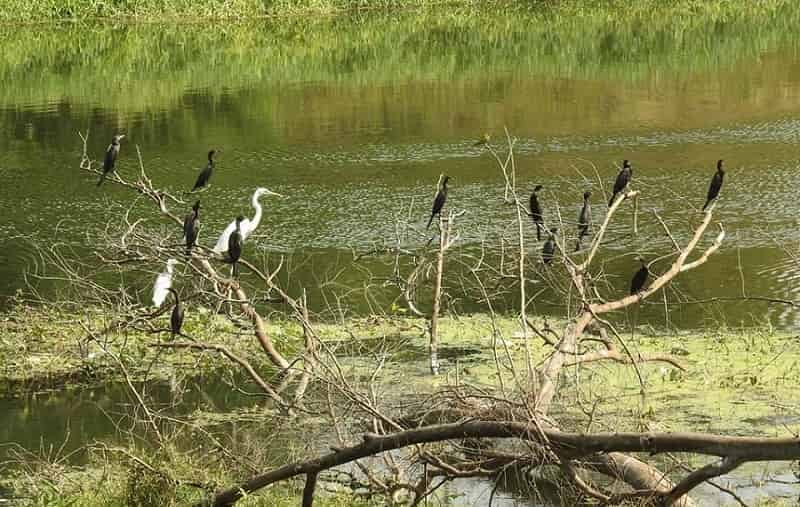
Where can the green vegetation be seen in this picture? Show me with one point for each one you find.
(736, 381)
(186, 10)
(608, 39)
(183, 10)
(124, 482)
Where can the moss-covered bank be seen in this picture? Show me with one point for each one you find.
(735, 381)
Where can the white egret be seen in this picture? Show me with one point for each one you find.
(248, 225)
(163, 283)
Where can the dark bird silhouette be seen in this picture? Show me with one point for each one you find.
(549, 248)
(483, 141)
(438, 202)
(205, 174)
(584, 217)
(536, 212)
(623, 178)
(176, 319)
(191, 227)
(716, 184)
(235, 243)
(110, 161)
(639, 278)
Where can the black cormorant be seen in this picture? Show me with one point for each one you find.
(640, 278)
(549, 248)
(438, 203)
(536, 212)
(716, 184)
(176, 319)
(235, 243)
(191, 227)
(584, 217)
(112, 152)
(623, 178)
(205, 174)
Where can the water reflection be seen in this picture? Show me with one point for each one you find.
(355, 119)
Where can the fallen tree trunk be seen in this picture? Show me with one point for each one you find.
(601, 448)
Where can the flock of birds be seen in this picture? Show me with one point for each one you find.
(584, 216)
(231, 241)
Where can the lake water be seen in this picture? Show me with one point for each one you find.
(354, 119)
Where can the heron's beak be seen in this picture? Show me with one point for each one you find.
(276, 194)
(121, 136)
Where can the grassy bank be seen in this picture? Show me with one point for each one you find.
(187, 10)
(604, 41)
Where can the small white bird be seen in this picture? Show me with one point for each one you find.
(248, 225)
(163, 284)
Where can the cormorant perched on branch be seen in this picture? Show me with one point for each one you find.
(205, 174)
(639, 278)
(623, 178)
(536, 212)
(112, 152)
(176, 319)
(438, 202)
(549, 248)
(584, 217)
(716, 184)
(235, 243)
(191, 227)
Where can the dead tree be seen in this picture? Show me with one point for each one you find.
(447, 431)
(523, 414)
(136, 246)
(446, 241)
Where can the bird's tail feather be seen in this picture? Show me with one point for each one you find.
(538, 232)
(102, 179)
(707, 203)
(235, 269)
(611, 201)
(430, 221)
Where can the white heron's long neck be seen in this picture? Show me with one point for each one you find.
(257, 216)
